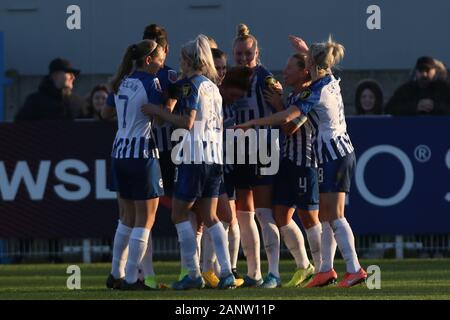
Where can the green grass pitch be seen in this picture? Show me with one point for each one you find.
(407, 279)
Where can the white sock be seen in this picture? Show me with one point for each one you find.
(193, 221)
(294, 241)
(216, 267)
(198, 241)
(314, 235)
(120, 250)
(198, 235)
(250, 243)
(208, 253)
(328, 247)
(271, 237)
(188, 248)
(147, 261)
(346, 242)
(234, 237)
(220, 241)
(137, 247)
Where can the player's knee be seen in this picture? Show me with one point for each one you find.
(282, 221)
(309, 219)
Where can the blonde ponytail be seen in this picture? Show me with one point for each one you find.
(198, 57)
(326, 55)
(335, 50)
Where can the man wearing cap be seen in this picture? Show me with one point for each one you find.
(54, 99)
(425, 94)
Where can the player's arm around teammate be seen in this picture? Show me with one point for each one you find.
(234, 86)
(254, 190)
(135, 158)
(198, 176)
(337, 162)
(296, 184)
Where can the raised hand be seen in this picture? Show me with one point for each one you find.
(299, 44)
(273, 97)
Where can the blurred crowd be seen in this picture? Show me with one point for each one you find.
(426, 93)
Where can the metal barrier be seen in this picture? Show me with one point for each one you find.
(100, 250)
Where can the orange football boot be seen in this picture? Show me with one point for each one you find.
(352, 279)
(322, 279)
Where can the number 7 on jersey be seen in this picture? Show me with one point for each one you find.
(125, 98)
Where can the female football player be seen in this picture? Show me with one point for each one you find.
(254, 190)
(162, 132)
(234, 85)
(296, 183)
(336, 165)
(199, 173)
(135, 163)
(324, 109)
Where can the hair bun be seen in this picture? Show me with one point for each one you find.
(155, 30)
(336, 50)
(242, 30)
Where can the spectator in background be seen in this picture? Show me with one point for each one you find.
(54, 100)
(425, 94)
(369, 98)
(96, 101)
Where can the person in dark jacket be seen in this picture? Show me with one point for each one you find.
(54, 100)
(425, 94)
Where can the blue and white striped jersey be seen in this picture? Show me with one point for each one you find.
(229, 116)
(325, 109)
(204, 140)
(134, 138)
(166, 76)
(229, 120)
(253, 105)
(298, 147)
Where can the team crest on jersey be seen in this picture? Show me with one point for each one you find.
(172, 75)
(157, 84)
(270, 81)
(305, 94)
(186, 90)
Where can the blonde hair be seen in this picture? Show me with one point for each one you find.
(441, 70)
(212, 43)
(197, 56)
(243, 34)
(326, 55)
